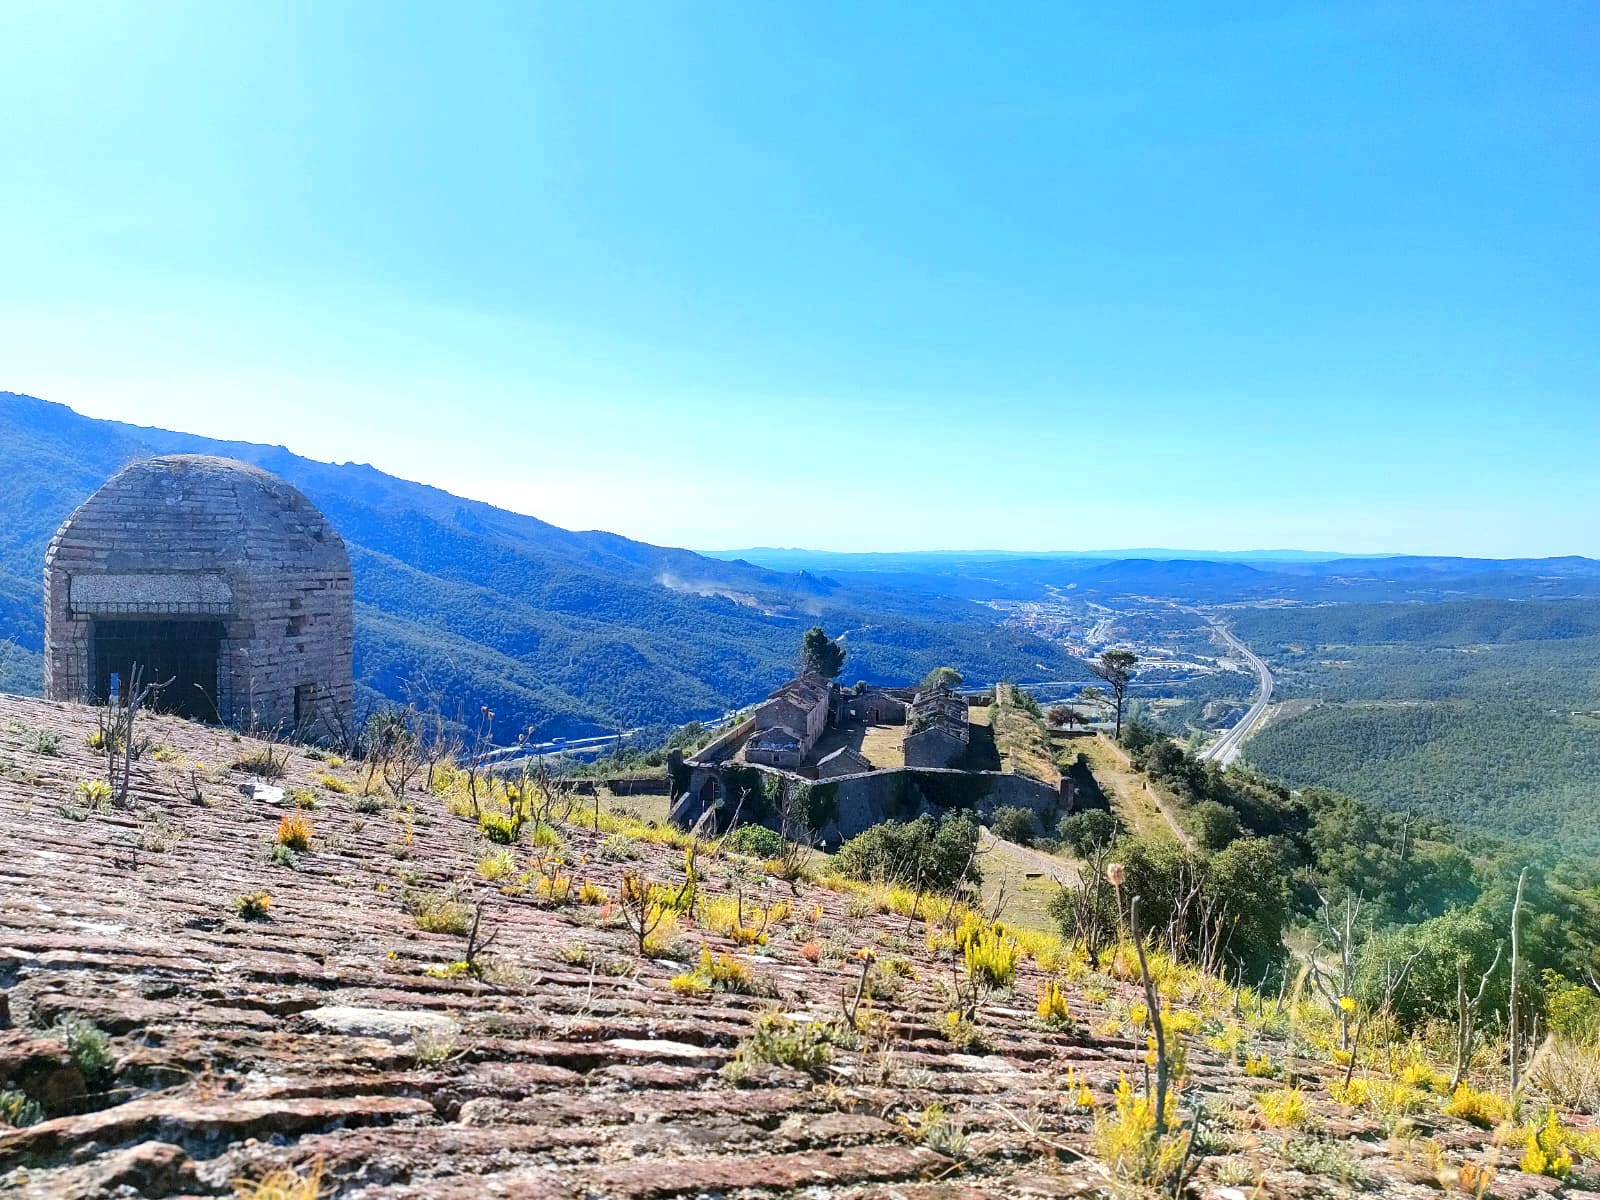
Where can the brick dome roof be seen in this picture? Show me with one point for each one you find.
(225, 511)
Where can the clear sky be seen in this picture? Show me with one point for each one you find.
(855, 276)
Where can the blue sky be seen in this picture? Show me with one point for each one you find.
(842, 276)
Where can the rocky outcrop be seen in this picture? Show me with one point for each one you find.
(331, 1033)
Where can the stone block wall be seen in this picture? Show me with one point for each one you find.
(857, 802)
(191, 537)
(933, 747)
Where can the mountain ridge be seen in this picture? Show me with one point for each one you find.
(459, 603)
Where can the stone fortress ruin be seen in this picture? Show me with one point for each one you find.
(852, 757)
(211, 573)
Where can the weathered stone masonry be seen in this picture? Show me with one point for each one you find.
(211, 570)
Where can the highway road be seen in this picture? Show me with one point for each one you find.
(1229, 746)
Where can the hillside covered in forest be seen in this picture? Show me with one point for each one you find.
(459, 603)
(1483, 711)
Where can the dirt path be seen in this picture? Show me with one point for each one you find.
(1022, 882)
(1148, 794)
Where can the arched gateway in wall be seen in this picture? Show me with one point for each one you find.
(210, 572)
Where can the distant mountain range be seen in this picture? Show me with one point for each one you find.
(795, 558)
(461, 603)
(1200, 578)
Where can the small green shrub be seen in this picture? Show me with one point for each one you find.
(1015, 824)
(17, 1110)
(935, 854)
(755, 840)
(252, 906)
(619, 847)
(1085, 832)
(47, 742)
(962, 1033)
(780, 1041)
(89, 1047)
(436, 912)
(1318, 1156)
(932, 1127)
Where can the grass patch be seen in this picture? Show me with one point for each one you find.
(1316, 1156)
(262, 762)
(1024, 745)
(780, 1041)
(294, 832)
(252, 906)
(435, 912)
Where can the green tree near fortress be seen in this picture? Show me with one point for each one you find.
(1116, 668)
(820, 653)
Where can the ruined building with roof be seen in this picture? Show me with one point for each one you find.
(214, 577)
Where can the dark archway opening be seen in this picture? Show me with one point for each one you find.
(185, 652)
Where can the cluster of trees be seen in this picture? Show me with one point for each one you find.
(1496, 767)
(1225, 909)
(1470, 710)
(930, 853)
(1442, 625)
(1431, 909)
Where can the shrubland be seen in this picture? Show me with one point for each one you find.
(1393, 915)
(1205, 1016)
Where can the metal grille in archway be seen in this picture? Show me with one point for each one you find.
(184, 651)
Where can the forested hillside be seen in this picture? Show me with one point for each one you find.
(1484, 711)
(1446, 624)
(461, 604)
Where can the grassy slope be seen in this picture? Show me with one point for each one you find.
(1125, 787)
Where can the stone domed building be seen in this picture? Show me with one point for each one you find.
(214, 574)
